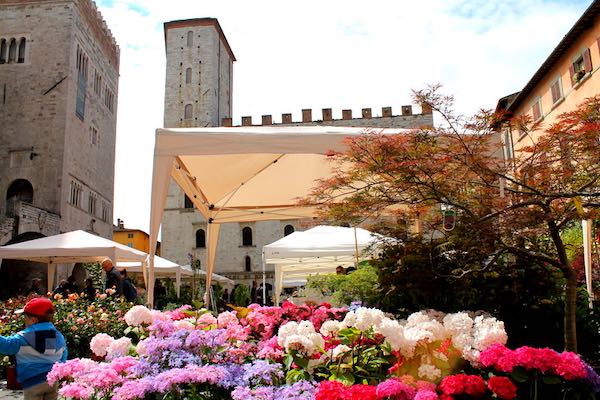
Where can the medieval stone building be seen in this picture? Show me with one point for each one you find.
(198, 93)
(59, 71)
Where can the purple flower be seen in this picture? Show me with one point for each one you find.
(593, 377)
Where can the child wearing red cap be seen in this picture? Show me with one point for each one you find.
(36, 349)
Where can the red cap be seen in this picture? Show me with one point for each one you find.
(38, 307)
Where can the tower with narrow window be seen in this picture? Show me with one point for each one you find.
(59, 70)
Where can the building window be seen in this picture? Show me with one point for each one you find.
(190, 39)
(105, 212)
(93, 135)
(556, 90)
(287, 230)
(130, 236)
(3, 48)
(580, 67)
(82, 65)
(76, 190)
(248, 264)
(188, 75)
(97, 83)
(200, 238)
(247, 236)
(187, 202)
(187, 112)
(536, 110)
(12, 51)
(21, 58)
(129, 244)
(507, 144)
(92, 204)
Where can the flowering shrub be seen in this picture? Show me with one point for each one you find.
(316, 352)
(75, 317)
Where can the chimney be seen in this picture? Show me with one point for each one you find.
(327, 114)
(306, 115)
(267, 120)
(247, 121)
(426, 108)
(286, 118)
(366, 113)
(226, 122)
(346, 114)
(386, 111)
(406, 110)
(120, 223)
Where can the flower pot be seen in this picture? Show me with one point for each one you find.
(11, 378)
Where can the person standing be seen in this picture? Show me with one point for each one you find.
(89, 290)
(113, 277)
(36, 287)
(129, 290)
(37, 348)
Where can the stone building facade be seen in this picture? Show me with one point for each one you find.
(59, 71)
(199, 78)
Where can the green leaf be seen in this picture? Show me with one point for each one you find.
(551, 380)
(519, 374)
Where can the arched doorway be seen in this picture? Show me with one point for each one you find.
(19, 190)
(16, 275)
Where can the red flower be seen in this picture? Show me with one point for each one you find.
(502, 387)
(362, 392)
(331, 390)
(463, 384)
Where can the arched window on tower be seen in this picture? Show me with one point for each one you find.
(3, 48)
(19, 190)
(288, 229)
(248, 264)
(187, 112)
(188, 75)
(200, 238)
(187, 202)
(247, 236)
(12, 51)
(22, 51)
(190, 39)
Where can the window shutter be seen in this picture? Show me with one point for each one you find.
(587, 61)
(572, 74)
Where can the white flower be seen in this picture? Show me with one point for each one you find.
(100, 343)
(301, 344)
(340, 350)
(458, 323)
(159, 316)
(118, 348)
(184, 325)
(488, 331)
(140, 348)
(330, 328)
(429, 372)
(394, 335)
(138, 315)
(227, 318)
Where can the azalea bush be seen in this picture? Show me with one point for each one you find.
(318, 352)
(76, 317)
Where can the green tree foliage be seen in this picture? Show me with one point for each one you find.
(359, 285)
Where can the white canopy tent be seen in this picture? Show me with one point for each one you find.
(70, 247)
(223, 280)
(317, 250)
(242, 174)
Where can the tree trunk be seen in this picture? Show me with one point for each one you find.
(570, 331)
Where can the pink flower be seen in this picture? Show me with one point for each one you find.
(426, 395)
(361, 392)
(138, 315)
(570, 366)
(331, 390)
(207, 319)
(118, 348)
(463, 384)
(99, 344)
(227, 318)
(395, 389)
(122, 364)
(76, 391)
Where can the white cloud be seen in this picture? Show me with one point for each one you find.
(338, 54)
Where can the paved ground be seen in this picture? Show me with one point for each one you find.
(6, 394)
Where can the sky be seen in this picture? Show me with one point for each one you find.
(339, 54)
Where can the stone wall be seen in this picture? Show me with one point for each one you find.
(44, 141)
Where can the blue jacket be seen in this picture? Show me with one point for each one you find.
(36, 348)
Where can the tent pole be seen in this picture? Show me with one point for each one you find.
(355, 246)
(264, 278)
